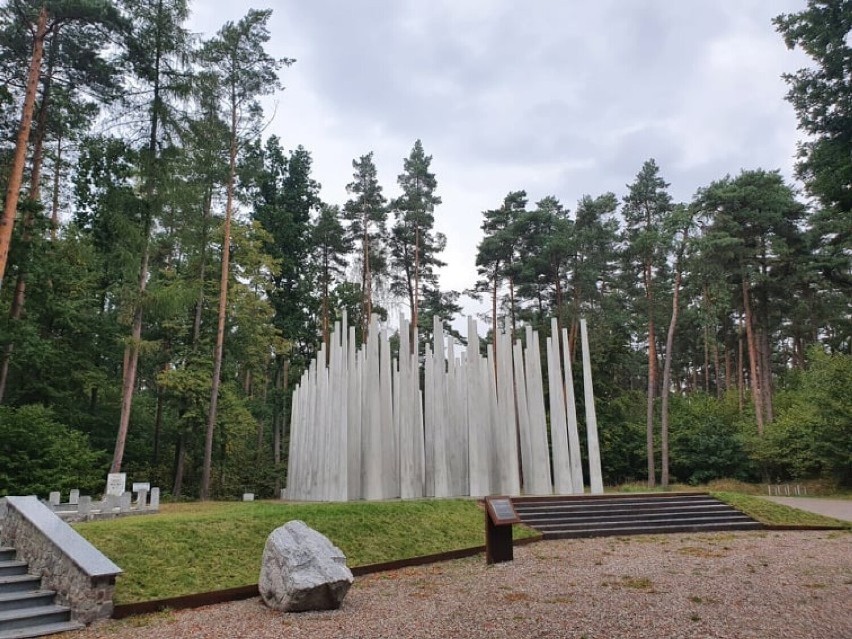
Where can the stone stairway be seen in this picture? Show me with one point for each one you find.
(25, 609)
(629, 514)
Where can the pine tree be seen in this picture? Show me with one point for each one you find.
(414, 244)
(367, 215)
(646, 207)
(237, 58)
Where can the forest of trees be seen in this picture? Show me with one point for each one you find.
(167, 270)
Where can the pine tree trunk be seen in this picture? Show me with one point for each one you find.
(715, 347)
(752, 357)
(740, 368)
(652, 379)
(131, 351)
(325, 278)
(223, 307)
(766, 379)
(667, 371)
(19, 295)
(54, 207)
(16, 173)
(130, 363)
(415, 311)
(494, 308)
(180, 465)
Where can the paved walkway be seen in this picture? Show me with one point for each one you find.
(837, 508)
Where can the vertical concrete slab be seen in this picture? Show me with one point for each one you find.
(595, 475)
(353, 422)
(389, 436)
(571, 412)
(523, 425)
(509, 459)
(478, 445)
(540, 480)
(558, 429)
(371, 430)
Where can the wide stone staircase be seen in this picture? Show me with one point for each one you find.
(25, 609)
(565, 517)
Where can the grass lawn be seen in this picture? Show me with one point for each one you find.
(199, 547)
(768, 512)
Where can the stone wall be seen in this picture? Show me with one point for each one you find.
(82, 577)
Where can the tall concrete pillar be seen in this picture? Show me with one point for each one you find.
(562, 484)
(595, 474)
(571, 412)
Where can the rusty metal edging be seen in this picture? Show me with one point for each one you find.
(247, 592)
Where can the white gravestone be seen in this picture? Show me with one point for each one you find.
(85, 505)
(155, 499)
(248, 496)
(74, 498)
(116, 483)
(55, 498)
(142, 499)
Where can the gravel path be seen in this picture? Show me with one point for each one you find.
(739, 585)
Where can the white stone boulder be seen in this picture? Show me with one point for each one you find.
(302, 570)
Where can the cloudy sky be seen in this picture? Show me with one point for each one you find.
(561, 97)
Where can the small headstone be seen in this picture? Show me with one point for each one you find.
(141, 485)
(124, 501)
(116, 483)
(155, 499)
(142, 499)
(55, 498)
(85, 505)
(302, 570)
(248, 496)
(283, 495)
(74, 499)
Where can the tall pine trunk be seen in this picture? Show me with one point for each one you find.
(19, 295)
(223, 307)
(16, 173)
(131, 350)
(667, 369)
(754, 367)
(652, 378)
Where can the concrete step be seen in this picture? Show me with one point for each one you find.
(13, 568)
(7, 554)
(29, 599)
(651, 530)
(41, 630)
(587, 499)
(606, 504)
(543, 521)
(35, 616)
(615, 511)
(641, 522)
(594, 516)
(19, 583)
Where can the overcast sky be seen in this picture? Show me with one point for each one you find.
(561, 97)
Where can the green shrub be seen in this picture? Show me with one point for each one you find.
(39, 454)
(705, 441)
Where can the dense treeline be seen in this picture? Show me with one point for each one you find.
(171, 270)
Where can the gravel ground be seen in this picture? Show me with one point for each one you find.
(737, 585)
